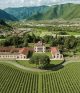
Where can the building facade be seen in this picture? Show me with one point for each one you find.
(13, 53)
(56, 55)
(39, 47)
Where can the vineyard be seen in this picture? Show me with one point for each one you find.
(66, 80)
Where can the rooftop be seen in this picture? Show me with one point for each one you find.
(40, 43)
(15, 51)
(54, 50)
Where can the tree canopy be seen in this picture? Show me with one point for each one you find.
(41, 60)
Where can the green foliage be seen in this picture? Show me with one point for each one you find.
(5, 16)
(30, 53)
(41, 60)
(11, 41)
(14, 80)
(64, 11)
(26, 12)
(63, 43)
(62, 33)
(70, 42)
(2, 22)
(53, 42)
(25, 42)
(17, 81)
(47, 38)
(4, 26)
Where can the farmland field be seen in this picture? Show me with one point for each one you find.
(65, 80)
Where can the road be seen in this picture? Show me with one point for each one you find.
(22, 67)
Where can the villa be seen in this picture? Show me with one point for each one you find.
(56, 55)
(13, 53)
(39, 47)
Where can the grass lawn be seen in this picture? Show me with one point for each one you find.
(46, 53)
(74, 33)
(56, 62)
(68, 54)
(2, 39)
(42, 33)
(49, 54)
(47, 45)
(26, 64)
(31, 45)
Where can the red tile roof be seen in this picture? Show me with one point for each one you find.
(24, 51)
(54, 50)
(5, 49)
(14, 50)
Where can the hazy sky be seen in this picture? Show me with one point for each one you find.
(20, 3)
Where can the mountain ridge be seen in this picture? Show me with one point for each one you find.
(64, 11)
(6, 16)
(25, 12)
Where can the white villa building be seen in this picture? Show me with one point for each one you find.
(10, 53)
(39, 47)
(13, 53)
(56, 55)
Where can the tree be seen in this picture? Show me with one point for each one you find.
(62, 33)
(34, 38)
(53, 42)
(30, 53)
(25, 42)
(2, 22)
(60, 40)
(41, 60)
(70, 42)
(47, 38)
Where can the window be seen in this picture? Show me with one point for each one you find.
(17, 56)
(61, 56)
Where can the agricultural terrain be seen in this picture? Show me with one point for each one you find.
(65, 80)
(56, 26)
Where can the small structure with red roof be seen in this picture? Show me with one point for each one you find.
(56, 55)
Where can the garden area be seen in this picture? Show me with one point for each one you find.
(30, 65)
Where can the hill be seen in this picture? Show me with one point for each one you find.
(63, 11)
(6, 16)
(26, 12)
(4, 26)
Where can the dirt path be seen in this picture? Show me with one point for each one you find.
(68, 61)
(72, 60)
(22, 67)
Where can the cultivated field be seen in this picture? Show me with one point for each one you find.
(65, 80)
